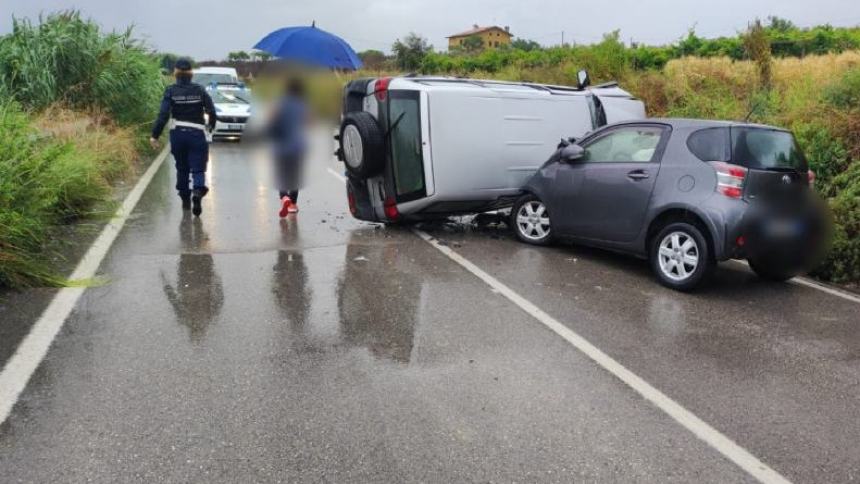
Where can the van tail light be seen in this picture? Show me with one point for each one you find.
(391, 212)
(381, 88)
(810, 177)
(730, 179)
(350, 198)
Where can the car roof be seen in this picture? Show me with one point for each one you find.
(699, 123)
(215, 70)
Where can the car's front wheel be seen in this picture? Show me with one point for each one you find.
(680, 257)
(531, 221)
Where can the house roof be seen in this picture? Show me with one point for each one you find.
(477, 30)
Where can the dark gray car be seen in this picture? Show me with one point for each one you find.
(683, 193)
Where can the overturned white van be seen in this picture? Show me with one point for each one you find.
(427, 147)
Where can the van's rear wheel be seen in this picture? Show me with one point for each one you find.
(362, 144)
(531, 222)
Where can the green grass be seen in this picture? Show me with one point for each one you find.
(73, 104)
(67, 59)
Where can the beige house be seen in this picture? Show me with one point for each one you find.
(493, 36)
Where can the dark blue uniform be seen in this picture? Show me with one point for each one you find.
(186, 101)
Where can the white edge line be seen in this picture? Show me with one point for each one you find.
(812, 284)
(701, 429)
(33, 348)
(337, 175)
(722, 444)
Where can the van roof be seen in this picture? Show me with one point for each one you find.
(610, 89)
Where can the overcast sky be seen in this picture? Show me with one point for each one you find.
(207, 29)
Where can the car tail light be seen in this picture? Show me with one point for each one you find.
(810, 177)
(391, 212)
(730, 179)
(381, 89)
(350, 198)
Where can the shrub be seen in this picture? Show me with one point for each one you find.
(49, 176)
(66, 58)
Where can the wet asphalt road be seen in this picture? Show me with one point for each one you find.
(238, 348)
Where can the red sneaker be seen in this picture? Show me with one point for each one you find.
(293, 208)
(286, 203)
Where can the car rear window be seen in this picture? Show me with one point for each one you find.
(764, 149)
(710, 144)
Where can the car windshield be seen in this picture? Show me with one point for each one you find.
(204, 79)
(222, 97)
(766, 149)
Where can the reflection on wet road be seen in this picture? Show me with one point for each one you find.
(196, 295)
(241, 348)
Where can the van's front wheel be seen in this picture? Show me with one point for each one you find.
(531, 222)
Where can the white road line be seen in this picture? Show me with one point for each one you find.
(32, 350)
(805, 281)
(713, 437)
(724, 445)
(802, 281)
(337, 175)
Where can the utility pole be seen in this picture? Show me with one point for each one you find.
(562, 38)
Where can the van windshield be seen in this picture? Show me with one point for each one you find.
(766, 149)
(406, 148)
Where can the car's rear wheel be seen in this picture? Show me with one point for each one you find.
(362, 144)
(680, 256)
(769, 271)
(531, 221)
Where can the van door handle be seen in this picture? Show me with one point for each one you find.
(638, 175)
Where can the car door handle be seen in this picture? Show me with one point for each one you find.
(638, 175)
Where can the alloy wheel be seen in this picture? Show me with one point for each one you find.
(533, 220)
(678, 256)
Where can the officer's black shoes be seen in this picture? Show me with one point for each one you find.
(186, 200)
(196, 199)
(196, 208)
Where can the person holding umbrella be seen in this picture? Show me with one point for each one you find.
(287, 129)
(308, 46)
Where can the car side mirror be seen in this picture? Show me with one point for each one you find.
(572, 152)
(583, 79)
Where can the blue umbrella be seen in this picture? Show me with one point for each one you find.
(310, 45)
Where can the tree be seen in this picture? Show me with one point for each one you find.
(525, 44)
(263, 56)
(372, 59)
(757, 45)
(238, 56)
(781, 25)
(472, 44)
(410, 52)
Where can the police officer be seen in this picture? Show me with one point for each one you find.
(187, 102)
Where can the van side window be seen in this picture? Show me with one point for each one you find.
(710, 144)
(629, 144)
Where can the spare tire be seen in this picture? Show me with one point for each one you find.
(362, 145)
